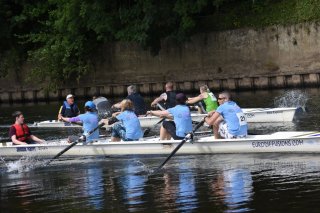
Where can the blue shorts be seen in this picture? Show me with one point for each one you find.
(118, 131)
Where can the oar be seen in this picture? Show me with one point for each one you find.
(161, 107)
(82, 138)
(186, 138)
(201, 107)
(147, 130)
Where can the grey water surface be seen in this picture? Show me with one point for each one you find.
(193, 183)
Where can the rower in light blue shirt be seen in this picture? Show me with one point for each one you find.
(89, 120)
(129, 128)
(228, 120)
(181, 124)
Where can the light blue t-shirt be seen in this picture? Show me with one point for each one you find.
(234, 117)
(89, 121)
(182, 119)
(131, 123)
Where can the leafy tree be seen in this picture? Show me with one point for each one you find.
(59, 37)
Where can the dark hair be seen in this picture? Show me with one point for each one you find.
(181, 98)
(16, 114)
(96, 94)
(88, 109)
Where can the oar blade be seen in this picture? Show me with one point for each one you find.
(73, 138)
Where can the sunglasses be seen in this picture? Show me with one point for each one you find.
(221, 98)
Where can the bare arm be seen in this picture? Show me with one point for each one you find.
(16, 141)
(195, 99)
(36, 139)
(117, 105)
(162, 97)
(213, 118)
(160, 113)
(61, 118)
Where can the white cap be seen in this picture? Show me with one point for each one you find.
(69, 96)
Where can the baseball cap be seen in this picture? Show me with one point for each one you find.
(90, 104)
(69, 96)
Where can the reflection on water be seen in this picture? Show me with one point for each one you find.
(186, 196)
(238, 189)
(220, 183)
(93, 185)
(133, 188)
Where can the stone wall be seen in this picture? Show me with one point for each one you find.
(274, 57)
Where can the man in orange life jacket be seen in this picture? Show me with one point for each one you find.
(20, 133)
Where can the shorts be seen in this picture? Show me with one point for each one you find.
(118, 131)
(224, 132)
(170, 126)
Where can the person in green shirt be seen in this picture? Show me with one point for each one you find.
(207, 97)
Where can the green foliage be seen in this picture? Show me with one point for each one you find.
(60, 38)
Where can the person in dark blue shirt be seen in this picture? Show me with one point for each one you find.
(137, 100)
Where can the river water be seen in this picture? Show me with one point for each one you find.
(195, 183)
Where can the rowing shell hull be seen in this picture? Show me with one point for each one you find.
(260, 115)
(55, 124)
(281, 142)
(254, 115)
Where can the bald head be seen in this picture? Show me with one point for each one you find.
(169, 86)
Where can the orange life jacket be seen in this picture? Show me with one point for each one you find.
(22, 132)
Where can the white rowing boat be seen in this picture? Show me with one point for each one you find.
(260, 115)
(254, 115)
(54, 124)
(279, 142)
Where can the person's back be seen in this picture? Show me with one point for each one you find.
(171, 99)
(138, 103)
(210, 102)
(103, 106)
(131, 124)
(234, 117)
(90, 121)
(182, 119)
